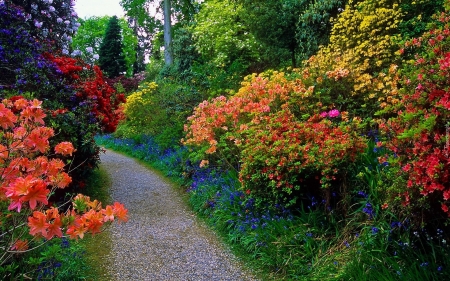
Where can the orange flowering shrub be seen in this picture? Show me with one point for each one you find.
(271, 130)
(284, 153)
(28, 179)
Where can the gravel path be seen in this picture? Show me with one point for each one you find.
(162, 239)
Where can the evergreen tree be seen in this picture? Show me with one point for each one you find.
(111, 58)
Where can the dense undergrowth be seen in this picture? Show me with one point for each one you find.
(311, 242)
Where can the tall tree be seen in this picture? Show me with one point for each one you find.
(221, 36)
(148, 18)
(168, 53)
(111, 57)
(90, 35)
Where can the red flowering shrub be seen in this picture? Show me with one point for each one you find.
(129, 84)
(92, 88)
(286, 154)
(420, 127)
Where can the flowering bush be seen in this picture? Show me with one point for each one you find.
(80, 103)
(420, 128)
(271, 132)
(286, 154)
(30, 177)
(52, 21)
(91, 90)
(356, 70)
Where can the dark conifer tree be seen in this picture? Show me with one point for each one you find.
(111, 57)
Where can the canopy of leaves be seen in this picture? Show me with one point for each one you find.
(221, 35)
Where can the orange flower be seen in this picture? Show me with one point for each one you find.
(108, 214)
(120, 212)
(64, 148)
(20, 245)
(36, 193)
(38, 224)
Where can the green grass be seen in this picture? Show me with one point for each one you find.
(97, 247)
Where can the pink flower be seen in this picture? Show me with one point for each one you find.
(323, 114)
(333, 113)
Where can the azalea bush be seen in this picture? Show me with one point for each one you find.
(30, 176)
(275, 143)
(418, 134)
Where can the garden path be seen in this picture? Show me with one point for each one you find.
(162, 239)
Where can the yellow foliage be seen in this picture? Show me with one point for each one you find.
(138, 103)
(362, 43)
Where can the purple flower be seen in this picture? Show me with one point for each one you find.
(38, 24)
(333, 113)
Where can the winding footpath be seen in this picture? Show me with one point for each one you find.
(162, 239)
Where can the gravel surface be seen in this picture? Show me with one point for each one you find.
(162, 239)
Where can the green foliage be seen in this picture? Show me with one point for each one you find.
(158, 110)
(111, 55)
(221, 36)
(274, 24)
(58, 259)
(90, 33)
(417, 16)
(314, 25)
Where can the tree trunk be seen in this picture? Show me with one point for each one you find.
(168, 54)
(293, 58)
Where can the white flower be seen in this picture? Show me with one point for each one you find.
(65, 51)
(89, 49)
(96, 56)
(67, 22)
(51, 9)
(59, 20)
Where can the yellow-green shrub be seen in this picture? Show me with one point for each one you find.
(356, 71)
(138, 112)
